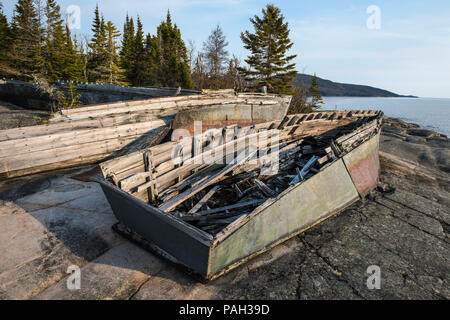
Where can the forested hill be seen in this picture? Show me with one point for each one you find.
(330, 88)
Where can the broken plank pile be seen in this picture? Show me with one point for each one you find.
(239, 175)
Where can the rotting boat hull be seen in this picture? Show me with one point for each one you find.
(219, 116)
(337, 185)
(294, 211)
(86, 135)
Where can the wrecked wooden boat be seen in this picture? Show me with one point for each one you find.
(263, 109)
(90, 134)
(212, 201)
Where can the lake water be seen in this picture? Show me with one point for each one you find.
(429, 113)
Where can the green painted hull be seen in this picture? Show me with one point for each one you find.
(295, 210)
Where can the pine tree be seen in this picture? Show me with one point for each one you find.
(269, 63)
(115, 73)
(153, 61)
(216, 55)
(98, 56)
(316, 95)
(55, 43)
(174, 62)
(27, 45)
(73, 60)
(127, 52)
(6, 42)
(138, 72)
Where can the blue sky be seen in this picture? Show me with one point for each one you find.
(409, 54)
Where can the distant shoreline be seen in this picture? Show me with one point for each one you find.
(329, 88)
(397, 96)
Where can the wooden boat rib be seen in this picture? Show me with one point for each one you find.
(212, 216)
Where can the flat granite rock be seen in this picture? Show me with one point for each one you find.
(402, 227)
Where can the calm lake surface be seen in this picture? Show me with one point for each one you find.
(429, 113)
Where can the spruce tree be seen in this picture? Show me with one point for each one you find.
(199, 73)
(127, 52)
(73, 60)
(174, 62)
(6, 42)
(269, 63)
(233, 77)
(316, 95)
(98, 56)
(115, 73)
(152, 61)
(55, 43)
(138, 71)
(27, 45)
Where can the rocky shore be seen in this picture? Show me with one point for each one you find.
(49, 222)
(12, 116)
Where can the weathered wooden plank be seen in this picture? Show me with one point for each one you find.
(150, 106)
(231, 207)
(73, 138)
(60, 155)
(213, 213)
(172, 203)
(56, 128)
(211, 156)
(264, 188)
(304, 170)
(204, 200)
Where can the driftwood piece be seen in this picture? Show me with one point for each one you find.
(172, 203)
(265, 189)
(204, 200)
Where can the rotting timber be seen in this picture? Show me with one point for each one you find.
(212, 216)
(91, 134)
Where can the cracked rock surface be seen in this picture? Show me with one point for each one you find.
(48, 223)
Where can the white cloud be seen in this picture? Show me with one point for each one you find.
(404, 56)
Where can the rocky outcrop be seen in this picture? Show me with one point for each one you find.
(402, 227)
